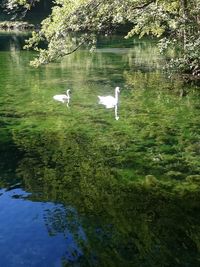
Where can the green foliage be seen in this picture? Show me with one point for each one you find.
(85, 19)
(16, 4)
(188, 61)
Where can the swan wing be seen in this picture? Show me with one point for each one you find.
(61, 98)
(106, 98)
(108, 101)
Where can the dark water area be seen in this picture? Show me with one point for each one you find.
(79, 187)
(39, 11)
(12, 42)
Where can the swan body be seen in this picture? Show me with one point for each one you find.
(63, 98)
(109, 101)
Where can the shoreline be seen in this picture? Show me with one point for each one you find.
(16, 26)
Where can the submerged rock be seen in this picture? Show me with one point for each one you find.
(150, 180)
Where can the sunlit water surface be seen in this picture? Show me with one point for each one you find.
(80, 188)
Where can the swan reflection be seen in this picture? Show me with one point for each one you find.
(116, 114)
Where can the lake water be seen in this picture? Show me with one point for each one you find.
(80, 188)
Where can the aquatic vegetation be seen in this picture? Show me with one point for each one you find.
(141, 222)
(127, 191)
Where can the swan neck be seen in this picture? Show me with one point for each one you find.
(116, 95)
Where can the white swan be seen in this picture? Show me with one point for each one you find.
(63, 98)
(109, 101)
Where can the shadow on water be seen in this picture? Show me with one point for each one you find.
(84, 189)
(12, 42)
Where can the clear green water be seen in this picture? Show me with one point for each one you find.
(79, 188)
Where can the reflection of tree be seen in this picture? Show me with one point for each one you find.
(64, 221)
(147, 223)
(55, 220)
(59, 220)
